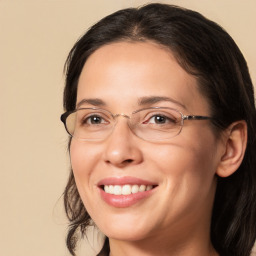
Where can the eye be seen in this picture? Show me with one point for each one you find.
(160, 119)
(94, 120)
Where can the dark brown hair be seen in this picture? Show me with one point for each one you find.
(206, 51)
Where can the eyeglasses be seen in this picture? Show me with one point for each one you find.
(151, 124)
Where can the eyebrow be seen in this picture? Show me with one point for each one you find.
(94, 102)
(156, 99)
(149, 100)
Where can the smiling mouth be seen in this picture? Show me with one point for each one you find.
(126, 189)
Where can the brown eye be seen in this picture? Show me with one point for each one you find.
(94, 120)
(160, 119)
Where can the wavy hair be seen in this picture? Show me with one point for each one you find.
(206, 51)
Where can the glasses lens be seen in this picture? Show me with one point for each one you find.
(89, 124)
(156, 123)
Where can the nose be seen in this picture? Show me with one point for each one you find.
(122, 146)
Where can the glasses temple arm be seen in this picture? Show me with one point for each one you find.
(196, 117)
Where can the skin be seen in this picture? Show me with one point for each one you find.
(175, 219)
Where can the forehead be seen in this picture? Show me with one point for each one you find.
(123, 72)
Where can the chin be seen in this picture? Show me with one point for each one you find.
(125, 235)
(126, 231)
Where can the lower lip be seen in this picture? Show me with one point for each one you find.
(123, 201)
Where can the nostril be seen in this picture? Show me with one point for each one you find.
(121, 163)
(128, 161)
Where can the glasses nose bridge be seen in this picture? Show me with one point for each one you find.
(121, 114)
(124, 116)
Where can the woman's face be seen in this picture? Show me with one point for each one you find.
(117, 77)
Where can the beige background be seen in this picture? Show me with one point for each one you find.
(35, 38)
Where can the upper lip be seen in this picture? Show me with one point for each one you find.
(125, 180)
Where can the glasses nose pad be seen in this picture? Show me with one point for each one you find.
(133, 125)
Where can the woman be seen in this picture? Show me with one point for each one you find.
(160, 109)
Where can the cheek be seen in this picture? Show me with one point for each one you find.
(190, 162)
(83, 160)
(77, 157)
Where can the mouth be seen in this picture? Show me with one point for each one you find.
(124, 192)
(126, 189)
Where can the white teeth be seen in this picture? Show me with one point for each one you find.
(117, 190)
(106, 189)
(149, 187)
(135, 189)
(126, 189)
(142, 188)
(111, 189)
